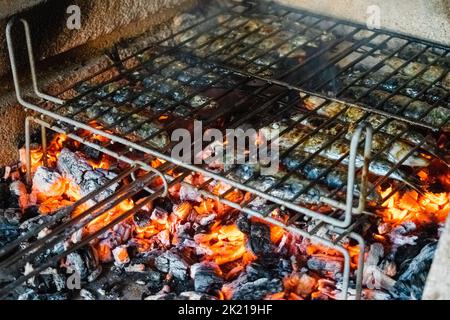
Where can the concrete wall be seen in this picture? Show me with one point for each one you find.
(104, 22)
(428, 19)
(438, 281)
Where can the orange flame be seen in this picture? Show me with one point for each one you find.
(225, 243)
(411, 206)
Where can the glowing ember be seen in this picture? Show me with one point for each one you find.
(319, 250)
(411, 206)
(225, 243)
(217, 238)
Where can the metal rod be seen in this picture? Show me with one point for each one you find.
(6, 289)
(62, 213)
(28, 150)
(44, 145)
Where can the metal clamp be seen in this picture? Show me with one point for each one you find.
(352, 168)
(157, 172)
(31, 61)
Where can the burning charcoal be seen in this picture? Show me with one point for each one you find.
(401, 235)
(121, 256)
(206, 277)
(243, 223)
(255, 282)
(300, 284)
(154, 280)
(20, 194)
(205, 220)
(284, 267)
(325, 263)
(411, 281)
(48, 183)
(163, 204)
(135, 268)
(79, 171)
(378, 295)
(374, 277)
(142, 218)
(159, 216)
(85, 262)
(260, 243)
(183, 210)
(32, 295)
(257, 289)
(91, 153)
(86, 295)
(162, 296)
(8, 232)
(189, 194)
(183, 232)
(164, 238)
(170, 262)
(74, 261)
(188, 295)
(12, 215)
(50, 281)
(31, 224)
(191, 295)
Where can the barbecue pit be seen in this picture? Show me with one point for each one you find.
(362, 186)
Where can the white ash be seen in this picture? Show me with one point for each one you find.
(58, 279)
(86, 295)
(206, 220)
(77, 236)
(76, 168)
(135, 268)
(325, 263)
(189, 194)
(366, 294)
(206, 277)
(102, 292)
(373, 276)
(27, 270)
(121, 256)
(19, 189)
(401, 235)
(159, 216)
(123, 232)
(44, 232)
(48, 182)
(164, 238)
(170, 262)
(389, 268)
(7, 173)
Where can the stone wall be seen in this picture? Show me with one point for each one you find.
(65, 56)
(421, 18)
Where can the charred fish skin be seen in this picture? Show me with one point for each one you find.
(337, 150)
(395, 152)
(435, 116)
(432, 73)
(379, 122)
(316, 169)
(290, 189)
(416, 89)
(122, 119)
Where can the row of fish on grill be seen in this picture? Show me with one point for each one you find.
(176, 86)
